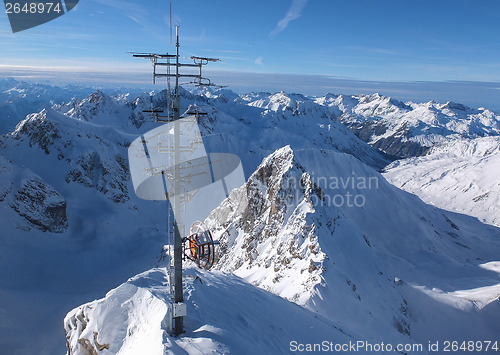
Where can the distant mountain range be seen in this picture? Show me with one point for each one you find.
(405, 130)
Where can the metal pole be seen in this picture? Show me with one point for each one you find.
(177, 307)
(178, 321)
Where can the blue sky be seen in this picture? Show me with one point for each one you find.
(350, 45)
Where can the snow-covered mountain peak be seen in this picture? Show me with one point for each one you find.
(278, 242)
(377, 105)
(254, 96)
(37, 129)
(340, 104)
(223, 95)
(97, 107)
(454, 106)
(279, 100)
(282, 157)
(363, 106)
(97, 97)
(295, 104)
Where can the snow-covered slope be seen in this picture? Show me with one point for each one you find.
(460, 175)
(407, 273)
(409, 129)
(225, 315)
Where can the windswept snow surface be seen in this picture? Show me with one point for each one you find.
(459, 175)
(225, 315)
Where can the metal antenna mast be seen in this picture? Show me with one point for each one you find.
(164, 60)
(178, 326)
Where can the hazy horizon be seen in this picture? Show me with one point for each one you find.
(469, 93)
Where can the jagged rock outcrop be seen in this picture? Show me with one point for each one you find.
(32, 198)
(275, 233)
(41, 205)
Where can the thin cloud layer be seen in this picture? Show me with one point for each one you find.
(293, 13)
